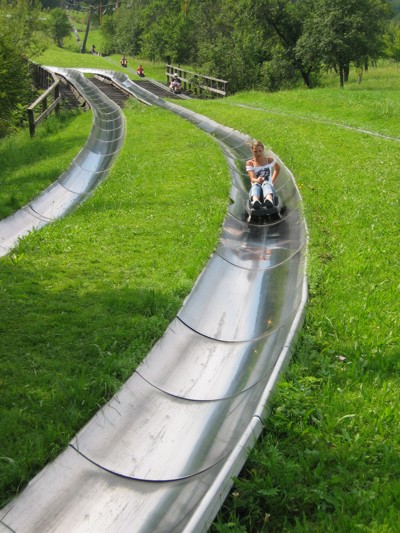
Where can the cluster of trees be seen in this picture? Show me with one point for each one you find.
(265, 44)
(262, 44)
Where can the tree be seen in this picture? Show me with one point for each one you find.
(392, 41)
(108, 30)
(252, 43)
(165, 31)
(122, 31)
(20, 39)
(15, 85)
(59, 26)
(286, 20)
(21, 23)
(341, 32)
(227, 44)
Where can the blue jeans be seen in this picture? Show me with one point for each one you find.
(262, 190)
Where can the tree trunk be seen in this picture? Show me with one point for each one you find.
(341, 75)
(306, 78)
(83, 49)
(346, 69)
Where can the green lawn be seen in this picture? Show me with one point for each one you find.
(84, 299)
(30, 165)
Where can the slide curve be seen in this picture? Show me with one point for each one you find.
(88, 169)
(160, 455)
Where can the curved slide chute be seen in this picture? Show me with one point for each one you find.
(88, 169)
(160, 455)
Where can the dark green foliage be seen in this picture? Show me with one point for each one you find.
(341, 32)
(286, 20)
(279, 72)
(395, 9)
(50, 3)
(59, 26)
(108, 31)
(20, 39)
(15, 87)
(392, 41)
(268, 44)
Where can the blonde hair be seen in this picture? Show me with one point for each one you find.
(256, 143)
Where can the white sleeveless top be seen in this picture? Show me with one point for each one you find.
(264, 171)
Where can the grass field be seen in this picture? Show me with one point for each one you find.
(52, 57)
(30, 165)
(84, 299)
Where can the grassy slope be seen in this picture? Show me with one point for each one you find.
(70, 56)
(329, 457)
(30, 165)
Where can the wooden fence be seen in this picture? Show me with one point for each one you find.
(197, 83)
(43, 79)
(53, 91)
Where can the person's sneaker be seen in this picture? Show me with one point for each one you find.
(256, 204)
(268, 204)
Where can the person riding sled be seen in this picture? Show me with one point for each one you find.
(263, 171)
(175, 84)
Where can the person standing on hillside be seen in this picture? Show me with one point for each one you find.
(263, 171)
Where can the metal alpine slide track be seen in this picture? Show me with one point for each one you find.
(160, 455)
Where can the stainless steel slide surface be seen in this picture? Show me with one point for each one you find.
(159, 457)
(88, 169)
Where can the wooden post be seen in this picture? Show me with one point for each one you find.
(57, 98)
(46, 110)
(31, 119)
(44, 105)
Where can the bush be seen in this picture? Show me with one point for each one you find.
(278, 73)
(16, 89)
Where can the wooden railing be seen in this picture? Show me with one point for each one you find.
(197, 83)
(54, 91)
(43, 79)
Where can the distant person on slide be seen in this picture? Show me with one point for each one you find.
(175, 84)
